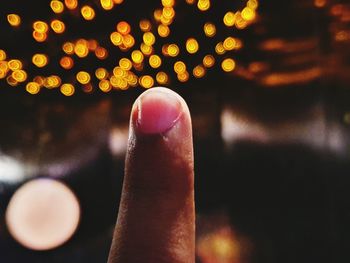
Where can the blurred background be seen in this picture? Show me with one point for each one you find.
(267, 86)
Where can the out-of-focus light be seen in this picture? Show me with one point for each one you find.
(58, 26)
(229, 43)
(162, 78)
(203, 5)
(229, 19)
(137, 56)
(168, 3)
(107, 4)
(155, 61)
(157, 14)
(39, 37)
(101, 53)
(125, 64)
(66, 62)
(101, 73)
(199, 71)
(81, 49)
(43, 214)
(3, 55)
(33, 88)
(248, 14)
(208, 61)
(67, 89)
(168, 13)
(40, 26)
(183, 77)
(219, 48)
(71, 4)
(228, 64)
(83, 77)
(163, 30)
(148, 38)
(123, 28)
(68, 48)
(190, 2)
(116, 38)
(146, 81)
(57, 6)
(192, 45)
(40, 60)
(179, 67)
(11, 170)
(146, 49)
(209, 29)
(15, 64)
(128, 41)
(105, 85)
(173, 50)
(87, 12)
(19, 75)
(14, 19)
(52, 82)
(145, 25)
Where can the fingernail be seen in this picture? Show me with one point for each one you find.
(158, 110)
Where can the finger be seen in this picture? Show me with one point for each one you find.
(156, 214)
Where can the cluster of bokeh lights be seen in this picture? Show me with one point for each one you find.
(134, 57)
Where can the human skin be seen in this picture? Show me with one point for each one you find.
(156, 220)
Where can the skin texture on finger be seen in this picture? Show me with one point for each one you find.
(156, 220)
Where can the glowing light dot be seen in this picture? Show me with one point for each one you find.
(83, 77)
(125, 64)
(137, 56)
(101, 53)
(52, 82)
(209, 29)
(57, 6)
(3, 73)
(105, 85)
(118, 2)
(173, 50)
(14, 19)
(145, 25)
(157, 14)
(67, 89)
(228, 65)
(14, 64)
(248, 14)
(11, 81)
(101, 73)
(203, 5)
(39, 79)
(199, 71)
(119, 72)
(40, 26)
(40, 60)
(183, 77)
(149, 38)
(229, 19)
(253, 4)
(146, 49)
(208, 61)
(58, 26)
(39, 37)
(71, 4)
(168, 3)
(81, 50)
(162, 78)
(67, 63)
(107, 4)
(192, 45)
(168, 13)
(116, 38)
(128, 41)
(123, 28)
(87, 12)
(163, 30)
(179, 67)
(33, 88)
(155, 61)
(219, 48)
(229, 43)
(190, 2)
(146, 81)
(19, 75)
(2, 55)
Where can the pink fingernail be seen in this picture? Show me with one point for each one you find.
(158, 111)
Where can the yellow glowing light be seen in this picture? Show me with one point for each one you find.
(209, 29)
(39, 79)
(146, 81)
(14, 64)
(101, 53)
(81, 49)
(157, 14)
(116, 38)
(219, 48)
(101, 73)
(166, 21)
(67, 89)
(208, 61)
(173, 50)
(52, 82)
(229, 19)
(162, 78)
(128, 41)
(229, 43)
(149, 38)
(190, 2)
(87, 12)
(192, 45)
(146, 49)
(68, 48)
(71, 4)
(248, 14)
(179, 67)
(145, 25)
(203, 5)
(105, 85)
(39, 37)
(58, 26)
(240, 22)
(33, 88)
(4, 66)
(155, 61)
(83, 77)
(40, 26)
(163, 30)
(2, 55)
(199, 71)
(14, 19)
(132, 79)
(183, 77)
(125, 64)
(137, 56)
(253, 4)
(92, 44)
(123, 28)
(40, 60)
(57, 6)
(11, 81)
(118, 72)
(107, 4)
(19, 75)
(168, 12)
(118, 2)
(168, 3)
(228, 64)
(3, 74)
(67, 62)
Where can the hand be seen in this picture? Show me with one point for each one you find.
(156, 221)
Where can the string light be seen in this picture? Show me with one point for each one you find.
(229, 19)
(209, 29)
(88, 12)
(145, 25)
(67, 89)
(137, 56)
(162, 78)
(208, 61)
(179, 67)
(15, 64)
(67, 63)
(173, 50)
(101, 73)
(83, 77)
(40, 26)
(123, 28)
(107, 4)
(57, 6)
(40, 60)
(163, 30)
(149, 38)
(192, 45)
(58, 26)
(33, 88)
(228, 64)
(146, 81)
(155, 61)
(199, 71)
(14, 20)
(203, 5)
